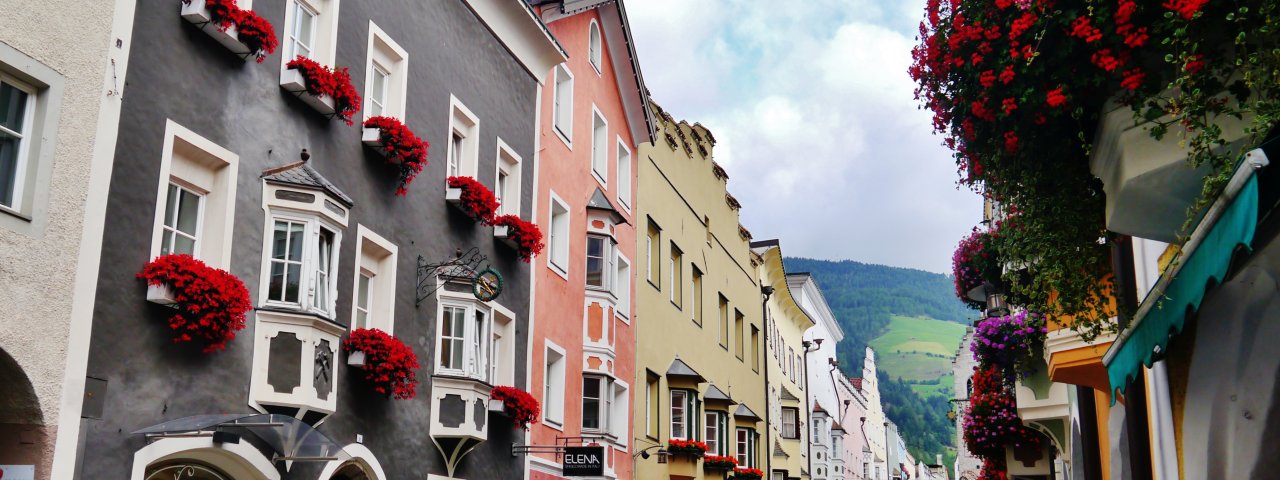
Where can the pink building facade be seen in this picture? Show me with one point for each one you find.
(593, 114)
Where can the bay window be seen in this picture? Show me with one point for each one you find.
(597, 398)
(746, 451)
(684, 414)
(715, 434)
(302, 257)
(600, 262)
(464, 341)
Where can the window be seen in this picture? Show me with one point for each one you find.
(600, 266)
(697, 296)
(652, 403)
(311, 30)
(387, 77)
(302, 255)
(196, 191)
(724, 322)
(502, 348)
(620, 421)
(746, 451)
(563, 108)
(622, 286)
(181, 221)
(593, 51)
(17, 112)
(464, 135)
(653, 245)
(677, 276)
(507, 186)
(597, 397)
(373, 305)
(558, 244)
(553, 388)
(755, 348)
(791, 423)
(791, 361)
(624, 175)
(465, 341)
(714, 432)
(684, 414)
(599, 147)
(739, 334)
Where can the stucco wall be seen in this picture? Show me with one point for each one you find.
(179, 73)
(38, 257)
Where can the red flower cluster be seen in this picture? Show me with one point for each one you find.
(1187, 9)
(477, 200)
(717, 462)
(692, 448)
(390, 365)
(992, 421)
(747, 474)
(252, 30)
(402, 148)
(993, 469)
(336, 83)
(211, 303)
(526, 235)
(523, 407)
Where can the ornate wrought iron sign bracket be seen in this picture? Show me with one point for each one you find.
(470, 266)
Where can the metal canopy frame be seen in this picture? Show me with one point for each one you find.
(561, 444)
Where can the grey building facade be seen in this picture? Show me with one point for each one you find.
(203, 128)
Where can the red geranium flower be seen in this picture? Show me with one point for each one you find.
(526, 235)
(403, 148)
(211, 303)
(523, 407)
(390, 365)
(477, 200)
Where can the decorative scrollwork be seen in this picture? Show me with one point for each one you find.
(186, 471)
(465, 266)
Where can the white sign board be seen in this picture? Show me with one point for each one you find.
(17, 472)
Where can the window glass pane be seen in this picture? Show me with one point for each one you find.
(8, 168)
(378, 91)
(293, 280)
(591, 403)
(677, 414)
(303, 31)
(595, 261)
(362, 302)
(185, 245)
(13, 108)
(188, 211)
(295, 243)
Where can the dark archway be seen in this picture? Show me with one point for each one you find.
(18, 402)
(24, 438)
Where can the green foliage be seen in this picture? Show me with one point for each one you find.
(922, 422)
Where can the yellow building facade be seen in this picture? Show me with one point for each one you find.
(701, 354)
(785, 323)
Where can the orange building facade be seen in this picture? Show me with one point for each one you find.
(593, 113)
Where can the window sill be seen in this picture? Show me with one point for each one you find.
(299, 311)
(553, 424)
(568, 143)
(551, 265)
(15, 213)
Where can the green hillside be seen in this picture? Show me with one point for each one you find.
(915, 323)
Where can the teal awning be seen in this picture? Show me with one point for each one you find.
(1163, 313)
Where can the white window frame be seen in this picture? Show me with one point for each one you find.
(310, 269)
(622, 285)
(653, 250)
(562, 104)
(599, 147)
(25, 139)
(608, 267)
(377, 257)
(507, 162)
(477, 339)
(388, 56)
(465, 124)
(502, 348)
(553, 380)
(624, 166)
(604, 405)
(324, 32)
(620, 412)
(714, 423)
(558, 236)
(683, 405)
(193, 162)
(676, 270)
(794, 427)
(595, 47)
(169, 234)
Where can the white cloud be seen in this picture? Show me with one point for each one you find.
(816, 121)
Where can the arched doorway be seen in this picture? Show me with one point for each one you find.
(351, 471)
(362, 465)
(184, 470)
(198, 458)
(23, 435)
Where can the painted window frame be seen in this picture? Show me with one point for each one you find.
(476, 340)
(755, 348)
(604, 403)
(388, 56)
(562, 104)
(624, 177)
(558, 235)
(324, 32)
(37, 155)
(599, 147)
(723, 319)
(553, 380)
(653, 249)
(791, 431)
(622, 285)
(696, 290)
(608, 262)
(507, 165)
(687, 405)
(26, 136)
(595, 47)
(377, 257)
(746, 442)
(198, 164)
(739, 333)
(465, 124)
(308, 297)
(653, 404)
(676, 265)
(715, 431)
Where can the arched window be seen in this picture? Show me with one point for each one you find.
(593, 51)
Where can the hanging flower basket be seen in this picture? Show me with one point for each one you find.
(524, 237)
(717, 463)
(402, 148)
(210, 303)
(243, 32)
(389, 365)
(518, 404)
(472, 198)
(974, 263)
(1012, 343)
(328, 91)
(747, 474)
(991, 422)
(691, 449)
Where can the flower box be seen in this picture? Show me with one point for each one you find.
(524, 237)
(390, 365)
(160, 294)
(293, 82)
(453, 195)
(472, 198)
(503, 234)
(356, 359)
(197, 12)
(691, 449)
(372, 138)
(747, 474)
(515, 403)
(402, 149)
(717, 463)
(497, 406)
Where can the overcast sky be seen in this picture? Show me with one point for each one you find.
(816, 122)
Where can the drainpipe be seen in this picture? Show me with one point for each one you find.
(767, 291)
(808, 415)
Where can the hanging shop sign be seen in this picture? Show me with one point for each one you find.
(471, 267)
(487, 285)
(583, 461)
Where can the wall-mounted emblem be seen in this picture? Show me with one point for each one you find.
(487, 285)
(470, 267)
